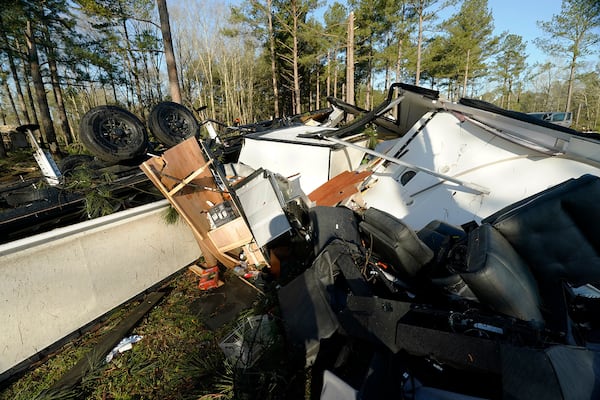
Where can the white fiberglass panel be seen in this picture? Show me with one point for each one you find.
(289, 159)
(58, 281)
(346, 159)
(467, 152)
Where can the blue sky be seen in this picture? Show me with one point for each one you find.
(520, 17)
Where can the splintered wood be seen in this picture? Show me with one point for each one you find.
(338, 188)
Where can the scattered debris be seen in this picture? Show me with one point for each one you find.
(124, 345)
(209, 276)
(246, 343)
(414, 263)
(222, 305)
(97, 356)
(435, 265)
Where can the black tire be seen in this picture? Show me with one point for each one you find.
(113, 134)
(26, 195)
(68, 164)
(172, 123)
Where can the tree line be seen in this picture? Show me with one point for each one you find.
(259, 59)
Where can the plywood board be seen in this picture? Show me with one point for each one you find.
(338, 188)
(232, 235)
(183, 177)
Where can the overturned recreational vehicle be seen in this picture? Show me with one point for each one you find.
(56, 283)
(458, 260)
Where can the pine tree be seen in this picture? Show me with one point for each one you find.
(509, 65)
(571, 35)
(471, 41)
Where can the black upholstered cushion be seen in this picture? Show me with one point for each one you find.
(557, 231)
(330, 223)
(499, 277)
(310, 303)
(395, 242)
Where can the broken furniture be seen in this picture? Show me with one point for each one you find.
(184, 176)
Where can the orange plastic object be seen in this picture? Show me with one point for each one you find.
(209, 278)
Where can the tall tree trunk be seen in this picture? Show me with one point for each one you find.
(114, 89)
(387, 76)
(10, 99)
(25, 74)
(31, 101)
(15, 76)
(3, 115)
(464, 91)
(335, 79)
(504, 86)
(421, 9)
(597, 113)
(328, 79)
(226, 90)
(40, 93)
(17, 82)
(273, 60)
(350, 62)
(207, 66)
(571, 80)
(75, 110)
(397, 70)
(159, 95)
(509, 94)
(2, 148)
(148, 86)
(134, 69)
(165, 28)
(58, 96)
(298, 105)
(318, 105)
(399, 60)
(250, 97)
(369, 88)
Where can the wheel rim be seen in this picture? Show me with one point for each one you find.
(177, 124)
(116, 132)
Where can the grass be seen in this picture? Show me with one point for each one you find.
(162, 365)
(18, 164)
(177, 359)
(170, 216)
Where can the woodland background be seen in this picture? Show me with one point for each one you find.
(259, 59)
